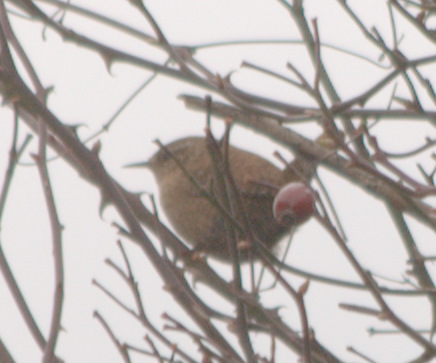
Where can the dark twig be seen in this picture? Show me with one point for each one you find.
(8, 275)
(120, 347)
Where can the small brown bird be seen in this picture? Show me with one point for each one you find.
(195, 218)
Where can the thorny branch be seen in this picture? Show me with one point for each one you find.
(350, 158)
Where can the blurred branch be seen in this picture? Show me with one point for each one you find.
(4, 265)
(120, 347)
(386, 312)
(267, 115)
(57, 247)
(419, 270)
(5, 356)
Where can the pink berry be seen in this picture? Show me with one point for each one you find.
(295, 202)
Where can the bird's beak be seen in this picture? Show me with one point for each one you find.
(144, 164)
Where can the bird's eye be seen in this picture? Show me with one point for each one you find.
(172, 152)
(163, 156)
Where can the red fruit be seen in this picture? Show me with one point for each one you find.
(295, 203)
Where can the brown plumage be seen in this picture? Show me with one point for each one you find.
(194, 218)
